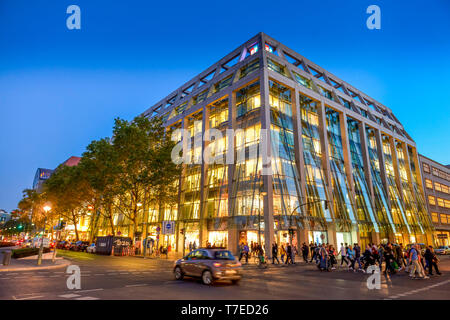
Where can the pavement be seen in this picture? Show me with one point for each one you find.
(123, 278)
(30, 263)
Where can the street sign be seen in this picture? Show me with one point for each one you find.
(168, 227)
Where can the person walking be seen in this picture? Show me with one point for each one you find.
(415, 263)
(357, 250)
(282, 253)
(400, 256)
(288, 254)
(343, 253)
(305, 252)
(312, 248)
(432, 260)
(275, 253)
(323, 254)
(246, 250)
(351, 257)
(381, 256)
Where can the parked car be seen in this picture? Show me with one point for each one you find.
(442, 250)
(209, 265)
(91, 248)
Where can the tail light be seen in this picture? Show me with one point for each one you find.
(217, 264)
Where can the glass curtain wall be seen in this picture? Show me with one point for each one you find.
(286, 185)
(383, 214)
(343, 207)
(247, 204)
(364, 211)
(216, 181)
(317, 214)
(397, 210)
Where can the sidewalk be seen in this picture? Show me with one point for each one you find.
(30, 263)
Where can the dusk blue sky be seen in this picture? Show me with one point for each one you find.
(60, 88)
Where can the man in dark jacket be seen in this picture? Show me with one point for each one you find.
(275, 253)
(289, 254)
(305, 251)
(432, 260)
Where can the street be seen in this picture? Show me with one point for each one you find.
(105, 277)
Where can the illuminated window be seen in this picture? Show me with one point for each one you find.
(435, 172)
(302, 80)
(441, 202)
(445, 219)
(432, 200)
(426, 168)
(252, 66)
(429, 184)
(268, 48)
(447, 204)
(434, 217)
(253, 49)
(445, 188)
(437, 186)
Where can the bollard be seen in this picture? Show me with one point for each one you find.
(7, 257)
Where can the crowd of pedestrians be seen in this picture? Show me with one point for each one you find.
(389, 258)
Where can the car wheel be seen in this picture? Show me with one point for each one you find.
(207, 277)
(178, 273)
(235, 281)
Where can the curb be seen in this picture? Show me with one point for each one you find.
(38, 268)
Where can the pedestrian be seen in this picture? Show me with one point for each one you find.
(415, 263)
(351, 257)
(294, 253)
(400, 256)
(275, 253)
(332, 256)
(343, 253)
(380, 256)
(241, 251)
(368, 258)
(312, 248)
(389, 259)
(246, 250)
(190, 246)
(357, 250)
(194, 246)
(323, 253)
(282, 253)
(432, 260)
(305, 252)
(288, 253)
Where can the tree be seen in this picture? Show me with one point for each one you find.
(99, 167)
(69, 192)
(31, 205)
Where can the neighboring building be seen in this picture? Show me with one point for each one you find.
(4, 217)
(40, 177)
(343, 157)
(436, 179)
(71, 162)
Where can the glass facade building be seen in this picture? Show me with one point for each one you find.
(292, 147)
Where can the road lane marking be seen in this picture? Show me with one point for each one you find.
(27, 298)
(87, 298)
(99, 274)
(70, 295)
(55, 276)
(90, 290)
(419, 290)
(136, 285)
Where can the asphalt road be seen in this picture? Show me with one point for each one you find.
(104, 277)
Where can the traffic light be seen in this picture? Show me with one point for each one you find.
(291, 231)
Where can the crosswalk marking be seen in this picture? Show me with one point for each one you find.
(87, 298)
(69, 296)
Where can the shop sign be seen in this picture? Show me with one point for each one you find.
(442, 236)
(168, 227)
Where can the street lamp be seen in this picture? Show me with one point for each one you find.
(41, 247)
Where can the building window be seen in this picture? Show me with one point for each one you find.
(445, 219)
(434, 217)
(429, 184)
(268, 48)
(426, 168)
(272, 65)
(302, 80)
(252, 66)
(441, 202)
(253, 49)
(435, 171)
(447, 204)
(445, 188)
(432, 200)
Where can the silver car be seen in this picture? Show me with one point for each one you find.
(209, 265)
(442, 250)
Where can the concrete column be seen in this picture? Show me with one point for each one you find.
(298, 145)
(203, 232)
(366, 159)
(382, 163)
(347, 156)
(396, 167)
(233, 232)
(266, 163)
(325, 155)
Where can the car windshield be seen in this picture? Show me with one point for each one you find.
(442, 247)
(223, 255)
